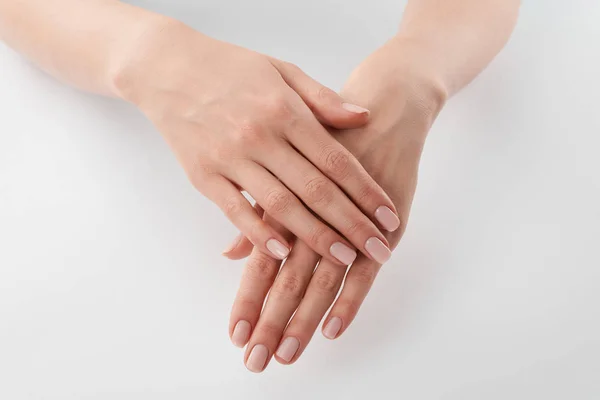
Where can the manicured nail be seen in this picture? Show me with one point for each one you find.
(234, 244)
(241, 333)
(387, 218)
(343, 253)
(278, 249)
(353, 108)
(258, 358)
(332, 328)
(378, 250)
(288, 348)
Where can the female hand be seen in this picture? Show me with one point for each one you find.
(404, 104)
(237, 119)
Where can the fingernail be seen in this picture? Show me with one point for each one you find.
(332, 328)
(241, 333)
(353, 108)
(343, 253)
(288, 348)
(258, 358)
(234, 244)
(387, 218)
(278, 249)
(378, 250)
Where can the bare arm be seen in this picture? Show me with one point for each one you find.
(83, 43)
(457, 38)
(235, 119)
(441, 46)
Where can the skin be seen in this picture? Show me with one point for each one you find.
(440, 47)
(236, 120)
(239, 120)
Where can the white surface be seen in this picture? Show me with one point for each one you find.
(111, 283)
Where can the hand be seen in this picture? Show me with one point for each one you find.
(238, 120)
(404, 104)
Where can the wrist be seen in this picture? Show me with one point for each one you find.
(413, 70)
(394, 82)
(142, 49)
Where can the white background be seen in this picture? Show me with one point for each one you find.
(111, 282)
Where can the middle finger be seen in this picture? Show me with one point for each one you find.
(284, 296)
(328, 201)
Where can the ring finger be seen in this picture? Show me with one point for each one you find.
(280, 203)
(320, 294)
(283, 299)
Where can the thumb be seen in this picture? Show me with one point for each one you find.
(329, 107)
(240, 247)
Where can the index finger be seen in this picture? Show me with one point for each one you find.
(358, 283)
(315, 143)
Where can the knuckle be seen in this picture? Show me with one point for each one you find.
(316, 236)
(319, 191)
(199, 175)
(260, 266)
(367, 194)
(277, 202)
(301, 326)
(348, 307)
(326, 283)
(292, 68)
(363, 274)
(256, 229)
(336, 161)
(232, 207)
(270, 330)
(326, 94)
(288, 286)
(277, 107)
(247, 307)
(223, 154)
(358, 228)
(248, 133)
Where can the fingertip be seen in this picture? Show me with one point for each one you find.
(387, 218)
(356, 110)
(240, 248)
(241, 333)
(278, 249)
(345, 120)
(332, 328)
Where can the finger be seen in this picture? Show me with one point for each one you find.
(259, 273)
(240, 212)
(321, 292)
(339, 165)
(283, 299)
(329, 108)
(241, 246)
(328, 201)
(359, 281)
(258, 276)
(285, 208)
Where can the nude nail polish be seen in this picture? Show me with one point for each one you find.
(278, 249)
(332, 328)
(353, 108)
(387, 218)
(378, 250)
(258, 358)
(241, 333)
(343, 253)
(288, 348)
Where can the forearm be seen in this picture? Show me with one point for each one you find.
(457, 38)
(83, 43)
